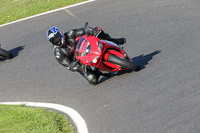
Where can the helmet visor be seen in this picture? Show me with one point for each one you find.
(57, 39)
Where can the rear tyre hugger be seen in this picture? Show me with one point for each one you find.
(124, 63)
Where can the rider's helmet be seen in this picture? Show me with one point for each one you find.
(55, 36)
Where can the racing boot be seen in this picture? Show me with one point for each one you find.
(119, 41)
(98, 32)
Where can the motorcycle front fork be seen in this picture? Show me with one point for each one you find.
(84, 69)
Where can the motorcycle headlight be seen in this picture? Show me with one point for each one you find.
(95, 59)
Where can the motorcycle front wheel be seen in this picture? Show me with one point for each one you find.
(5, 54)
(124, 63)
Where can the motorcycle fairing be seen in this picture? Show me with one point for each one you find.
(93, 51)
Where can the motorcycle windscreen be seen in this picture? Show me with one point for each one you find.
(87, 50)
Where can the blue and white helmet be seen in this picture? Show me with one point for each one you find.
(55, 36)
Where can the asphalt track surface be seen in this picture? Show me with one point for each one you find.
(163, 37)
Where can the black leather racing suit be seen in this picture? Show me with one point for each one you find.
(65, 54)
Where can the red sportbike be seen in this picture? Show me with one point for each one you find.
(102, 54)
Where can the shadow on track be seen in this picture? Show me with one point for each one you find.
(141, 60)
(14, 52)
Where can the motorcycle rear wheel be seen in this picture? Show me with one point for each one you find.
(5, 54)
(124, 63)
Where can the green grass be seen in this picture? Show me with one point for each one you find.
(12, 10)
(23, 119)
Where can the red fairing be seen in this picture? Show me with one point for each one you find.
(88, 43)
(94, 52)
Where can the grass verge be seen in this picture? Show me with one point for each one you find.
(12, 10)
(19, 119)
(23, 119)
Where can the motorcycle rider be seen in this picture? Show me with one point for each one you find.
(64, 46)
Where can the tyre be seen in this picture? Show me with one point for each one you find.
(124, 63)
(5, 54)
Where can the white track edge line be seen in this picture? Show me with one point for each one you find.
(47, 12)
(73, 114)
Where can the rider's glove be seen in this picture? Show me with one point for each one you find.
(95, 31)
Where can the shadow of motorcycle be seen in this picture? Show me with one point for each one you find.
(5, 54)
